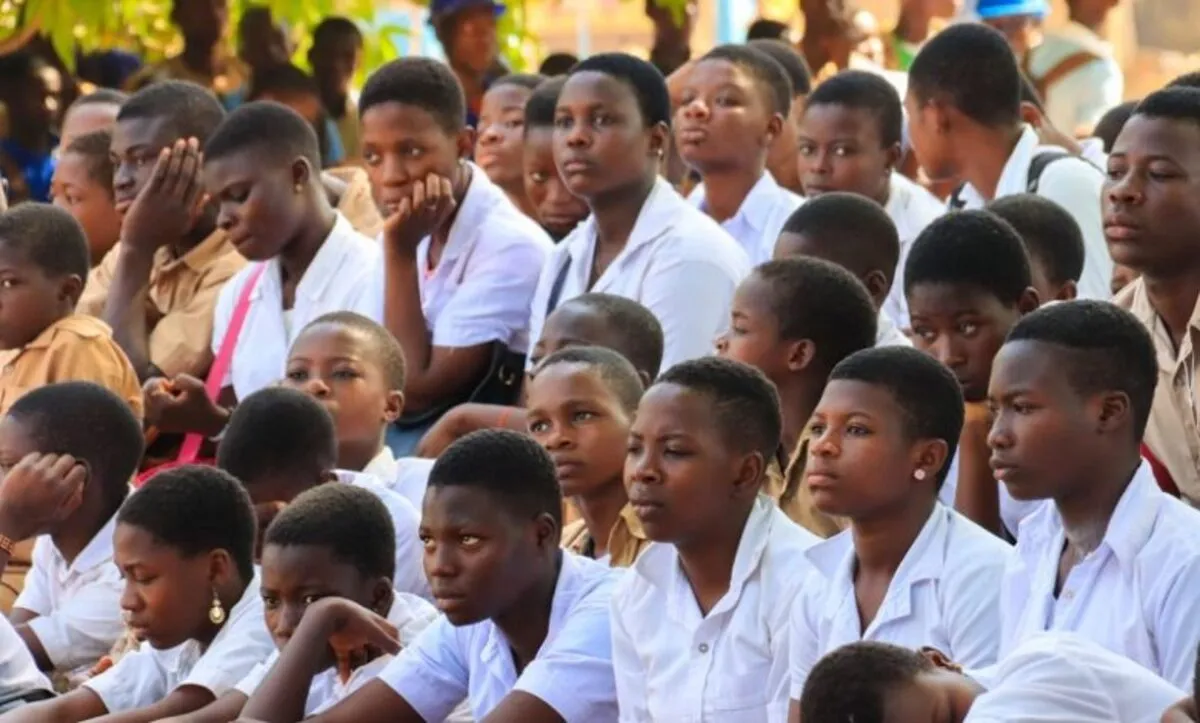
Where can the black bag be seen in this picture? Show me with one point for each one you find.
(1037, 165)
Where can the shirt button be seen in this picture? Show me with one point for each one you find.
(703, 647)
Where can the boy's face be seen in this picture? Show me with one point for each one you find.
(479, 555)
(1151, 197)
(841, 149)
(558, 211)
(136, 144)
(296, 576)
(753, 336)
(87, 118)
(962, 327)
(938, 696)
(402, 144)
(30, 300)
(582, 424)
(90, 202)
(256, 199)
(722, 115)
(335, 62)
(681, 474)
(501, 134)
(339, 368)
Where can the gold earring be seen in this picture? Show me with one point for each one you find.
(216, 611)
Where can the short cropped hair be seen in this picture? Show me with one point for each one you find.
(1112, 122)
(101, 96)
(853, 231)
(767, 29)
(48, 237)
(189, 110)
(509, 465)
(539, 109)
(818, 300)
(332, 28)
(557, 64)
(791, 60)
(1050, 234)
(1104, 348)
(278, 431)
(420, 82)
(351, 522)
(643, 79)
(970, 248)
(196, 509)
(640, 332)
(94, 149)
(384, 346)
(273, 129)
(745, 403)
(852, 682)
(926, 391)
(770, 79)
(1172, 103)
(284, 79)
(971, 66)
(90, 423)
(1190, 79)
(861, 90)
(614, 370)
(528, 81)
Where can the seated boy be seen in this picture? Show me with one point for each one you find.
(43, 339)
(794, 320)
(69, 613)
(555, 208)
(82, 186)
(1112, 557)
(967, 281)
(1052, 240)
(856, 234)
(524, 633)
(280, 442)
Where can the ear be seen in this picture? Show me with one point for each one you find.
(894, 155)
(465, 142)
(932, 455)
(1031, 115)
(302, 172)
(645, 376)
(70, 289)
(1115, 411)
(382, 596)
(548, 531)
(1029, 301)
(393, 406)
(660, 135)
(801, 355)
(751, 474)
(1067, 292)
(878, 285)
(774, 127)
(940, 659)
(221, 568)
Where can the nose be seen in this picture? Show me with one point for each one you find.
(559, 437)
(225, 219)
(642, 467)
(392, 171)
(578, 136)
(948, 352)
(696, 109)
(490, 135)
(286, 620)
(823, 444)
(441, 563)
(130, 600)
(317, 388)
(1000, 435)
(820, 162)
(123, 179)
(1126, 190)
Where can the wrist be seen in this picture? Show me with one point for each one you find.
(215, 424)
(136, 254)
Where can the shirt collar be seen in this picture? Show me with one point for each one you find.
(924, 560)
(481, 196)
(1014, 176)
(658, 215)
(98, 551)
(198, 258)
(1085, 37)
(325, 266)
(756, 206)
(85, 326)
(1133, 519)
(1138, 302)
(383, 465)
(495, 650)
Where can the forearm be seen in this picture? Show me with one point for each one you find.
(125, 310)
(404, 318)
(184, 699)
(282, 695)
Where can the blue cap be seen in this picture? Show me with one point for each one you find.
(442, 8)
(988, 9)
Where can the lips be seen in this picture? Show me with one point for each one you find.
(1121, 228)
(1002, 469)
(576, 166)
(692, 136)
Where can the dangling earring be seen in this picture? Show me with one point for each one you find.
(920, 475)
(216, 611)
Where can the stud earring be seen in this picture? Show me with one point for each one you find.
(920, 475)
(216, 611)
(299, 188)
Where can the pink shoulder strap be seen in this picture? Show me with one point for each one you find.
(190, 451)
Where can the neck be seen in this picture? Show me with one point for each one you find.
(71, 539)
(1086, 514)
(472, 83)
(913, 24)
(881, 543)
(726, 190)
(355, 456)
(200, 58)
(798, 400)
(1093, 21)
(617, 213)
(527, 620)
(989, 152)
(1174, 299)
(230, 595)
(298, 254)
(708, 560)
(334, 100)
(600, 512)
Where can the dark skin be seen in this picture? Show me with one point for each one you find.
(1091, 14)
(1150, 217)
(334, 63)
(554, 207)
(812, 245)
(202, 24)
(842, 149)
(916, 16)
(29, 115)
(500, 141)
(484, 563)
(31, 300)
(472, 48)
(672, 35)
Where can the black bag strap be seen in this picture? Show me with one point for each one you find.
(956, 200)
(559, 282)
(1038, 164)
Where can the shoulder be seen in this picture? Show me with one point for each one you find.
(695, 240)
(1068, 169)
(967, 541)
(1174, 536)
(402, 511)
(411, 615)
(72, 329)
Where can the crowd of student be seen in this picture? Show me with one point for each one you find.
(523, 425)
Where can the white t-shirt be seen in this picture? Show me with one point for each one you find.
(760, 218)
(18, 672)
(1078, 100)
(410, 571)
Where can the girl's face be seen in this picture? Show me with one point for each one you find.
(558, 210)
(861, 459)
(582, 424)
(89, 201)
(258, 202)
(601, 141)
(722, 114)
(402, 144)
(167, 595)
(842, 149)
(501, 135)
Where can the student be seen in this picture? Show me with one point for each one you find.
(794, 320)
(1072, 389)
(158, 286)
(1149, 218)
(68, 613)
(781, 155)
(499, 144)
(603, 320)
(554, 207)
(355, 369)
(184, 543)
(1018, 22)
(557, 64)
(96, 111)
(856, 234)
(262, 41)
(968, 281)
(767, 28)
(726, 563)
(1052, 240)
(288, 84)
(524, 633)
(460, 260)
(20, 681)
(43, 339)
(580, 405)
(82, 186)
(642, 241)
(26, 142)
(1111, 123)
(280, 442)
(850, 141)
(1053, 677)
(963, 109)
(335, 56)
(733, 106)
(910, 571)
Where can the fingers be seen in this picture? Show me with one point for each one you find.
(158, 177)
(186, 383)
(189, 186)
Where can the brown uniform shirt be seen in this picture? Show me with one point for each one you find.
(625, 542)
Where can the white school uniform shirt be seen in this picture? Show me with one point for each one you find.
(759, 219)
(1012, 511)
(78, 604)
(675, 665)
(19, 673)
(572, 671)
(148, 675)
(1079, 99)
(911, 208)
(1135, 594)
(341, 277)
(407, 476)
(943, 595)
(1072, 183)
(1064, 678)
(888, 334)
(410, 570)
(678, 263)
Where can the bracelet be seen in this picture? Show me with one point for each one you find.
(502, 422)
(6, 544)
